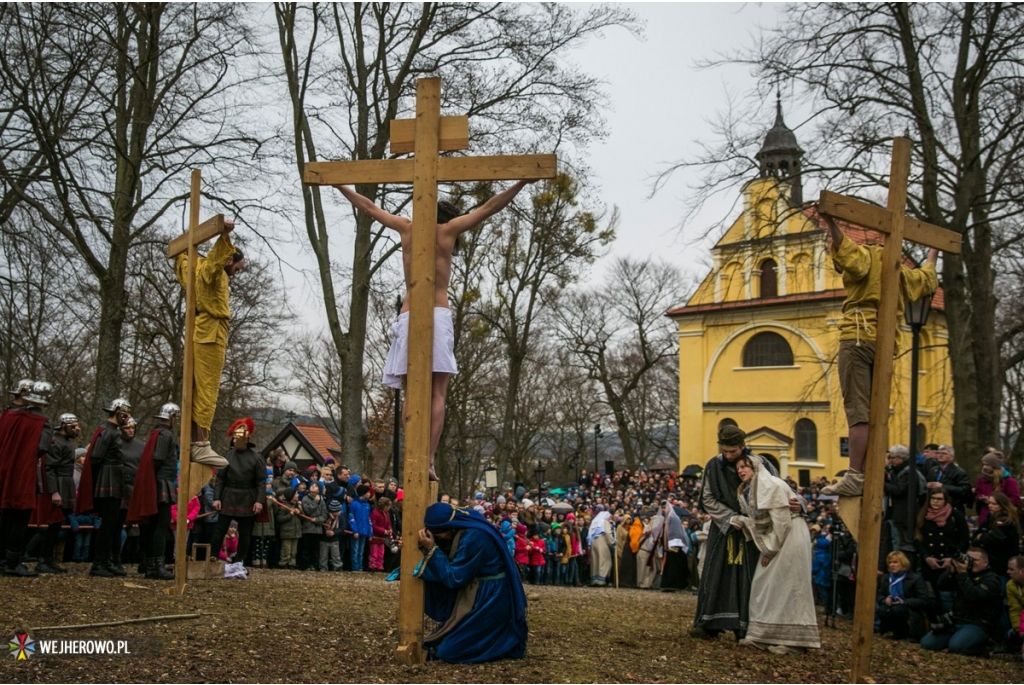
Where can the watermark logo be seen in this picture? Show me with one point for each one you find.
(21, 647)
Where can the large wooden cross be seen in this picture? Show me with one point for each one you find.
(892, 221)
(424, 136)
(197, 234)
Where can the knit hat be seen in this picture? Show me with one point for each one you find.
(290, 465)
(287, 494)
(731, 436)
(993, 461)
(500, 500)
(362, 489)
(527, 503)
(478, 495)
(334, 505)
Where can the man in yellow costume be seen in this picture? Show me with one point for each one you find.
(861, 268)
(213, 274)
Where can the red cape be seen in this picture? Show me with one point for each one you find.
(20, 431)
(83, 500)
(143, 502)
(46, 512)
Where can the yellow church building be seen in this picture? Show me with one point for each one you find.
(758, 339)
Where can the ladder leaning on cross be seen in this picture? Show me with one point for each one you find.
(425, 136)
(892, 221)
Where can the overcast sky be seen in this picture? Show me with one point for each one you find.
(661, 104)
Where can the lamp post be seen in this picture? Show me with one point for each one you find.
(576, 467)
(398, 413)
(916, 315)
(597, 434)
(538, 473)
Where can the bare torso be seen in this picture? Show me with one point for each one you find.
(444, 245)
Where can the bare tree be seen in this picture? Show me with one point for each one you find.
(350, 69)
(619, 334)
(546, 246)
(107, 106)
(950, 77)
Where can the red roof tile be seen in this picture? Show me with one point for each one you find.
(321, 440)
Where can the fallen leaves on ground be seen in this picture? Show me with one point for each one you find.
(292, 627)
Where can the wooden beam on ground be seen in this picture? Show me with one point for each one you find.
(880, 219)
(454, 134)
(878, 421)
(420, 371)
(211, 228)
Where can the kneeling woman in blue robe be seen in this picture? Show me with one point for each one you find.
(472, 588)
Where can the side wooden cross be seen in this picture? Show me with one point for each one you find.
(892, 221)
(197, 234)
(424, 136)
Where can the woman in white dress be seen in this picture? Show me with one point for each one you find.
(782, 618)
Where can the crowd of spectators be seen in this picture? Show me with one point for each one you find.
(951, 579)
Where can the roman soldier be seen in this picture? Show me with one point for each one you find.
(58, 497)
(155, 491)
(240, 492)
(102, 487)
(25, 436)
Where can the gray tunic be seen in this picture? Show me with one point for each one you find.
(131, 453)
(60, 470)
(242, 483)
(107, 463)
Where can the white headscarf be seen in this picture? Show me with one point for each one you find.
(596, 529)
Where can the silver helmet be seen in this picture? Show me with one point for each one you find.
(129, 422)
(39, 393)
(119, 404)
(169, 411)
(21, 387)
(67, 419)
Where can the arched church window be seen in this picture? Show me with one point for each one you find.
(767, 349)
(769, 279)
(806, 439)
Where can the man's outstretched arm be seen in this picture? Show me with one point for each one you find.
(495, 204)
(364, 205)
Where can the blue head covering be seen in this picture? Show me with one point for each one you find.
(439, 600)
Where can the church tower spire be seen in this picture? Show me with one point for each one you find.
(780, 155)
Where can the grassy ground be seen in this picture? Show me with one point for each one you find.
(285, 626)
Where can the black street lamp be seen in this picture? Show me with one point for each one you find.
(398, 414)
(916, 315)
(538, 473)
(597, 434)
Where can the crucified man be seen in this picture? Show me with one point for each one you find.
(450, 225)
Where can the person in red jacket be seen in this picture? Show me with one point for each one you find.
(380, 521)
(522, 554)
(537, 558)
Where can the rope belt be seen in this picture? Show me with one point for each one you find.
(860, 320)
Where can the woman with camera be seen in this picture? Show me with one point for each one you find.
(999, 535)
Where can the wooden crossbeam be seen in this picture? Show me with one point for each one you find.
(892, 221)
(425, 136)
(880, 219)
(449, 169)
(209, 229)
(454, 135)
